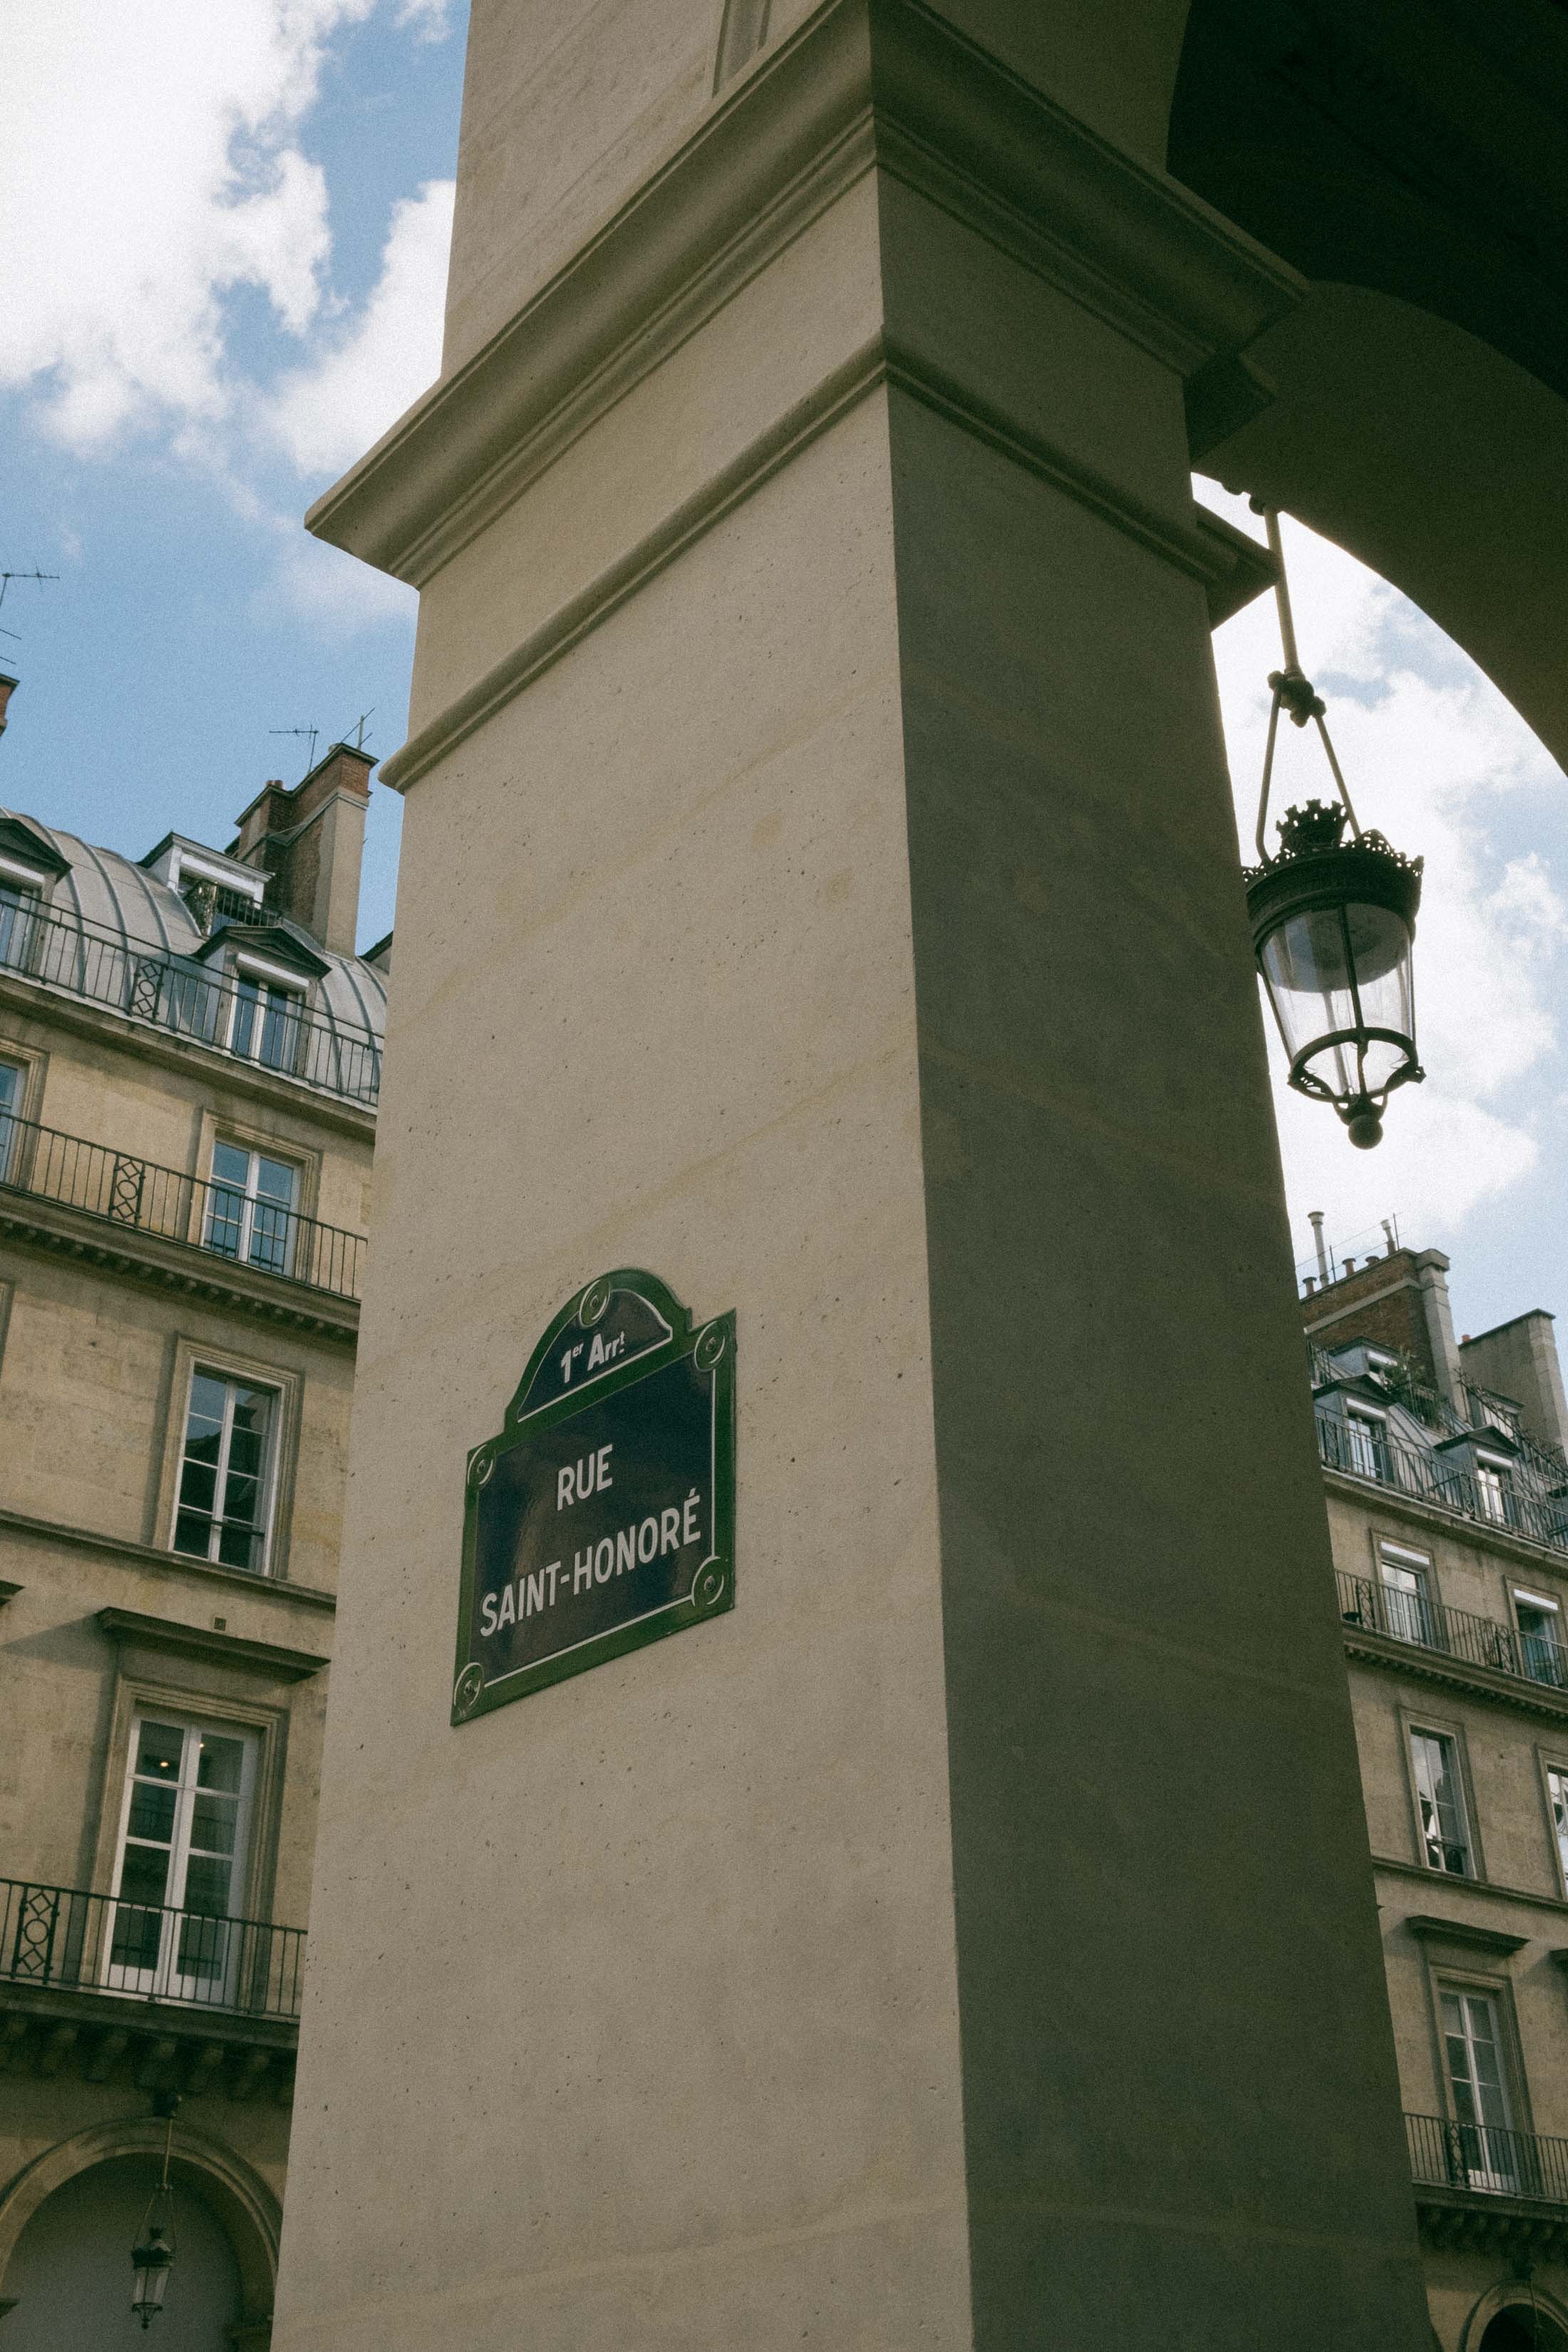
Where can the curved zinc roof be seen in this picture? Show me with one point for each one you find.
(116, 896)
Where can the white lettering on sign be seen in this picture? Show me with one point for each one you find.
(604, 1352)
(671, 1529)
(575, 1482)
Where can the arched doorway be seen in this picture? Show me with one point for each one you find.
(70, 2272)
(1521, 2328)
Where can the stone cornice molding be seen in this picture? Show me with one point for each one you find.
(271, 1660)
(861, 84)
(1431, 1929)
(1231, 567)
(131, 1251)
(1448, 1672)
(174, 1564)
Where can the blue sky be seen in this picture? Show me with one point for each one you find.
(226, 232)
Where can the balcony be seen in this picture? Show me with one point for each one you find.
(1356, 1452)
(166, 1999)
(1477, 2184)
(120, 1190)
(1427, 1625)
(151, 984)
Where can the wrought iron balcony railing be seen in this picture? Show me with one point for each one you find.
(1428, 1624)
(1359, 1450)
(61, 1938)
(219, 1219)
(1486, 2159)
(172, 993)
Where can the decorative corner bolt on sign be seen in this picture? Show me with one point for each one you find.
(603, 1513)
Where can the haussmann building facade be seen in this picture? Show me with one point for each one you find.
(189, 1065)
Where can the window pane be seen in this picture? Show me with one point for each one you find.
(206, 1883)
(226, 1222)
(144, 1875)
(246, 997)
(198, 1487)
(10, 1086)
(212, 1822)
(220, 1763)
(204, 1946)
(238, 1547)
(231, 1164)
(136, 1937)
(1445, 1843)
(192, 1533)
(275, 1180)
(152, 1812)
(1557, 1783)
(269, 1238)
(159, 1750)
(207, 1401)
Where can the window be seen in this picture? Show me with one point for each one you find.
(1406, 1599)
(1473, 2047)
(1557, 1795)
(178, 1877)
(1494, 1490)
(251, 1208)
(266, 1026)
(11, 1077)
(18, 923)
(226, 1469)
(1540, 1652)
(1368, 1435)
(1440, 1804)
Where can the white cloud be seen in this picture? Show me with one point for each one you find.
(148, 167)
(1432, 754)
(329, 412)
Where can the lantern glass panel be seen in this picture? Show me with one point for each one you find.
(1308, 977)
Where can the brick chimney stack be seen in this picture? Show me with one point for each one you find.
(1518, 1360)
(1400, 1301)
(7, 688)
(310, 837)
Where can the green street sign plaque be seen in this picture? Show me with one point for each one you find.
(602, 1515)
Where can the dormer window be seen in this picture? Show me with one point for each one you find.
(1494, 1489)
(266, 1025)
(21, 903)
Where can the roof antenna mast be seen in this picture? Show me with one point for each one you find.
(6, 580)
(311, 732)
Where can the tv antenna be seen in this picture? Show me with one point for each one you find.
(6, 580)
(359, 728)
(311, 732)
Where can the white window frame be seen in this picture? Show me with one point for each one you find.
(1368, 1428)
(1410, 1616)
(1555, 1770)
(1499, 1471)
(250, 971)
(250, 1200)
(20, 882)
(1465, 1841)
(1487, 2145)
(167, 1978)
(11, 1113)
(265, 1526)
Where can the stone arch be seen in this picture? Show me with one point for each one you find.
(245, 2205)
(1512, 2295)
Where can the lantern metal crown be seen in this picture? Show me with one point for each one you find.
(1333, 922)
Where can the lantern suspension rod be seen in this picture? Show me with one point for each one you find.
(1293, 690)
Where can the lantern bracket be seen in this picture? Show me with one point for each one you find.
(1293, 690)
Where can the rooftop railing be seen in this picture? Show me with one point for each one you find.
(124, 1190)
(1486, 2159)
(61, 1938)
(1429, 1624)
(1359, 1449)
(174, 993)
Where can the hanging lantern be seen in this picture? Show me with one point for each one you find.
(152, 2255)
(1333, 926)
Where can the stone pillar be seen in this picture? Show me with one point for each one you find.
(820, 886)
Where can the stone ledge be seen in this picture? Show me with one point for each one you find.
(176, 1265)
(99, 2037)
(167, 1563)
